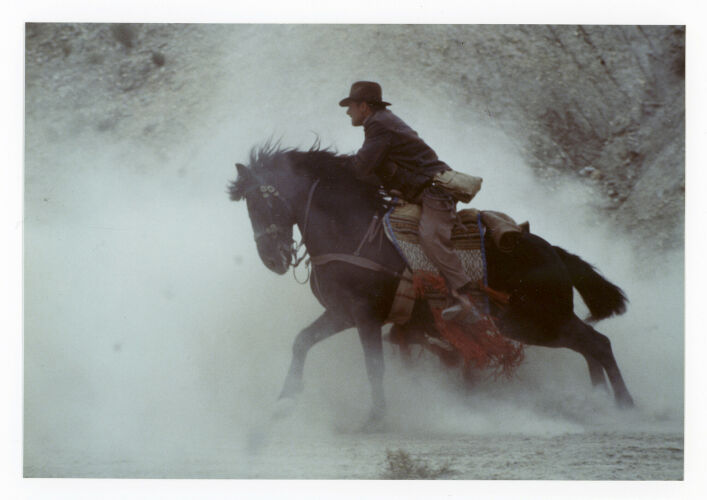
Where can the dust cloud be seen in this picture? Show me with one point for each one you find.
(154, 334)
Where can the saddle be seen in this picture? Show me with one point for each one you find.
(421, 278)
(477, 339)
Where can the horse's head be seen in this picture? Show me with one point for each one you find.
(270, 215)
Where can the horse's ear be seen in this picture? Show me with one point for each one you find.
(243, 171)
(245, 180)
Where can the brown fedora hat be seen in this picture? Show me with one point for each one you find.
(369, 92)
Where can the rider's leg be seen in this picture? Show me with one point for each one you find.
(436, 223)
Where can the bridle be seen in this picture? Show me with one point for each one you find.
(270, 193)
(295, 256)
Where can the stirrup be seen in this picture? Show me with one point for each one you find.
(468, 314)
(463, 305)
(452, 312)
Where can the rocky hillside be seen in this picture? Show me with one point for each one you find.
(139, 83)
(602, 103)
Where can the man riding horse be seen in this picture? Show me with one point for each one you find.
(393, 155)
(537, 278)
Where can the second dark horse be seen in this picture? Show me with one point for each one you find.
(334, 210)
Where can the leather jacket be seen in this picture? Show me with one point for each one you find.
(396, 155)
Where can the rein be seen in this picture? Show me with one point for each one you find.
(296, 258)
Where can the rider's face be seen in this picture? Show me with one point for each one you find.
(358, 111)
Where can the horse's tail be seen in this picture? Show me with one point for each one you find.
(603, 298)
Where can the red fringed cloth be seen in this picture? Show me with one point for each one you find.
(480, 344)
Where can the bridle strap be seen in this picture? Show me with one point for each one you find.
(307, 207)
(296, 260)
(373, 229)
(271, 230)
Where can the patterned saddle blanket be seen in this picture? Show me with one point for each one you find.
(401, 227)
(480, 343)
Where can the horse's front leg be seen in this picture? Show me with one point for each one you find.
(372, 342)
(323, 327)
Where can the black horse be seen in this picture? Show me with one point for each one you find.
(356, 282)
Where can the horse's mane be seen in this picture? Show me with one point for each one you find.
(316, 163)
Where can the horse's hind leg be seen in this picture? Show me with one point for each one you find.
(578, 336)
(323, 327)
(596, 371)
(584, 339)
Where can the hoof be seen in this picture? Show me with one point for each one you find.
(291, 389)
(373, 426)
(625, 403)
(284, 408)
(257, 440)
(374, 423)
